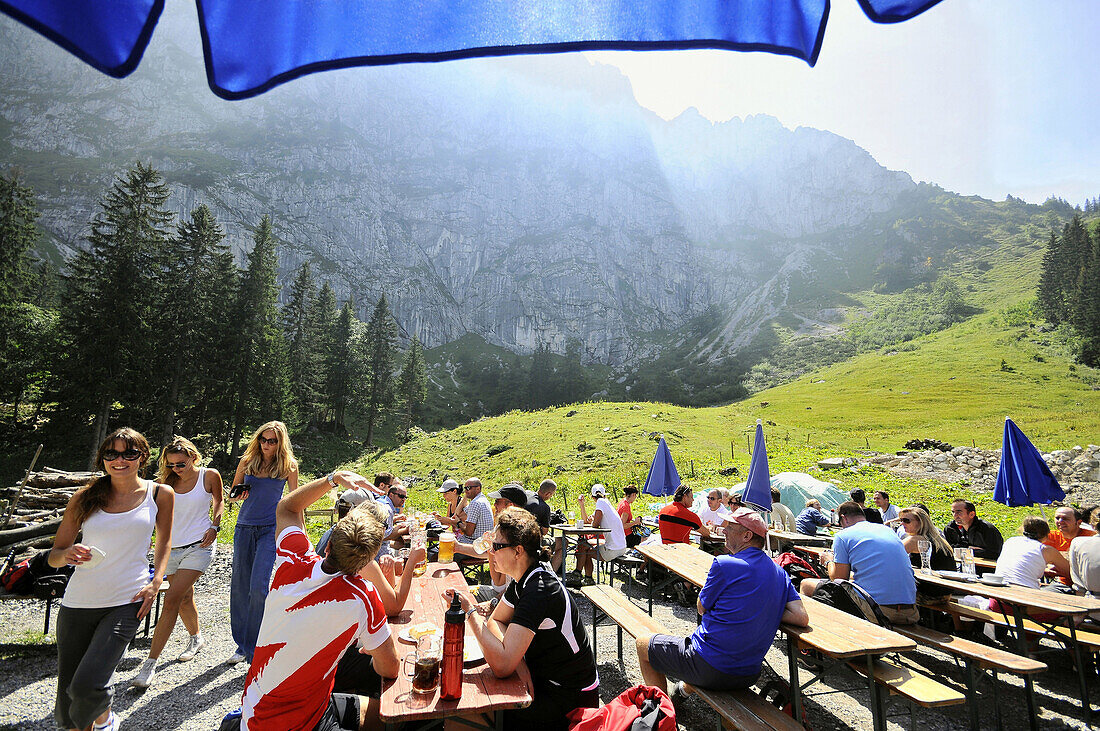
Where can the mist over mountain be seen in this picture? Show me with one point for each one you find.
(527, 200)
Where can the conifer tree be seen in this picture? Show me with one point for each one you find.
(341, 366)
(108, 316)
(18, 234)
(1050, 299)
(412, 387)
(1086, 313)
(324, 316)
(539, 393)
(22, 326)
(378, 342)
(301, 335)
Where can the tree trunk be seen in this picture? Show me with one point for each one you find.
(99, 433)
(238, 415)
(168, 425)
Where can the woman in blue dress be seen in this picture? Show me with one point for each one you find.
(267, 466)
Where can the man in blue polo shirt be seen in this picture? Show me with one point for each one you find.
(871, 555)
(744, 599)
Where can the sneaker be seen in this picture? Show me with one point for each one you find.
(235, 658)
(588, 581)
(677, 692)
(110, 725)
(573, 579)
(193, 646)
(145, 675)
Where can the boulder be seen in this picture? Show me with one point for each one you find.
(831, 463)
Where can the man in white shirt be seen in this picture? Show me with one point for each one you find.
(715, 513)
(604, 516)
(888, 512)
(479, 518)
(781, 512)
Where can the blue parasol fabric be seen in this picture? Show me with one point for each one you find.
(1023, 477)
(758, 487)
(663, 479)
(251, 47)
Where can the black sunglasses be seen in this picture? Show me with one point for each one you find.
(265, 440)
(176, 465)
(129, 455)
(498, 546)
(907, 521)
(399, 494)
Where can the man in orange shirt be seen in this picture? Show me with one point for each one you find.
(676, 520)
(1068, 526)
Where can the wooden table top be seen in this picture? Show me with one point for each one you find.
(481, 690)
(573, 529)
(831, 631)
(800, 537)
(1037, 599)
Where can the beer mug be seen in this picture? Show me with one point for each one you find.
(446, 547)
(426, 659)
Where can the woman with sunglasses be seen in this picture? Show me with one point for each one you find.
(194, 533)
(112, 587)
(266, 468)
(918, 525)
(536, 621)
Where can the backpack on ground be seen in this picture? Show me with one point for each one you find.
(35, 576)
(799, 568)
(641, 708)
(16, 578)
(847, 596)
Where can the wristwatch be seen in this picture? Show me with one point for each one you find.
(470, 611)
(331, 477)
(217, 528)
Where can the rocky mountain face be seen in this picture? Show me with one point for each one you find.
(524, 199)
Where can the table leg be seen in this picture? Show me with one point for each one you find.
(878, 705)
(792, 670)
(649, 565)
(1029, 684)
(1085, 706)
(972, 694)
(46, 628)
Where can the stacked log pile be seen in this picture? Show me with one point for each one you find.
(38, 509)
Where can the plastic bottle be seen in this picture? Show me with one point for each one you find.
(454, 636)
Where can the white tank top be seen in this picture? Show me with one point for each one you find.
(1021, 562)
(125, 538)
(616, 539)
(191, 513)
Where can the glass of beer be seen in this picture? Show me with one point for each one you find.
(446, 547)
(426, 659)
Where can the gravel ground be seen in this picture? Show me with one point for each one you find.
(197, 694)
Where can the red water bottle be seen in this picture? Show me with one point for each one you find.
(454, 636)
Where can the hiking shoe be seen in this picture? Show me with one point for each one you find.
(588, 581)
(235, 658)
(678, 695)
(145, 675)
(111, 724)
(193, 646)
(573, 580)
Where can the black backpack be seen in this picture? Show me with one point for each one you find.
(35, 576)
(850, 597)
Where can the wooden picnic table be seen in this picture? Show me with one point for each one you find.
(800, 539)
(566, 531)
(832, 632)
(1026, 601)
(482, 692)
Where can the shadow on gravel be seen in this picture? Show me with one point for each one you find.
(170, 709)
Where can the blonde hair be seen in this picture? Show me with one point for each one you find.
(178, 445)
(253, 457)
(356, 538)
(927, 528)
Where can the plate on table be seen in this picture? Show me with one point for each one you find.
(471, 651)
(414, 632)
(992, 580)
(956, 575)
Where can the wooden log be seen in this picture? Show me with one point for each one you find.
(65, 479)
(15, 535)
(31, 544)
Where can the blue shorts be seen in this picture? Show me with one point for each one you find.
(676, 657)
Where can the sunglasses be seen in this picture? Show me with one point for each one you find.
(176, 465)
(129, 455)
(907, 521)
(711, 497)
(272, 441)
(399, 494)
(498, 546)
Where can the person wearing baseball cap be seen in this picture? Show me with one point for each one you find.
(742, 603)
(604, 515)
(452, 495)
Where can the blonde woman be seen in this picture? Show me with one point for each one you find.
(267, 467)
(918, 525)
(112, 587)
(194, 532)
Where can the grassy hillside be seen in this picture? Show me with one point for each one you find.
(949, 385)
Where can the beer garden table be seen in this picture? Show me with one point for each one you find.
(571, 530)
(832, 632)
(482, 692)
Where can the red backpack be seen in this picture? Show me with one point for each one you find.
(641, 708)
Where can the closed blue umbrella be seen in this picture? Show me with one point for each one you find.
(252, 46)
(1023, 477)
(758, 488)
(663, 479)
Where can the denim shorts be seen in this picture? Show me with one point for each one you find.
(676, 657)
(193, 557)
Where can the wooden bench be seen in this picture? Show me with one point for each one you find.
(976, 656)
(915, 687)
(741, 709)
(1087, 639)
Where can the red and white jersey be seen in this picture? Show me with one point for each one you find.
(310, 619)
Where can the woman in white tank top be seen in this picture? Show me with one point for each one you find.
(111, 589)
(194, 536)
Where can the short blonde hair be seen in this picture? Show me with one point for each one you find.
(356, 538)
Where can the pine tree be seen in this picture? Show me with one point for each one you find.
(262, 388)
(412, 387)
(22, 326)
(108, 321)
(324, 314)
(301, 334)
(378, 342)
(341, 366)
(539, 393)
(1050, 285)
(1087, 307)
(18, 234)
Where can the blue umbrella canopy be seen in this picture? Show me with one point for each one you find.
(251, 46)
(1023, 477)
(758, 488)
(663, 479)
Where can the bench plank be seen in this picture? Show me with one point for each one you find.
(921, 689)
(744, 710)
(619, 609)
(960, 647)
(1087, 639)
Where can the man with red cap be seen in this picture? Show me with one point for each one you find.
(744, 599)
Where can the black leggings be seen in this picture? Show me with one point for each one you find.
(90, 643)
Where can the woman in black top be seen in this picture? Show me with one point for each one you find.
(536, 621)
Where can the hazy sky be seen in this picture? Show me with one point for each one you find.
(984, 97)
